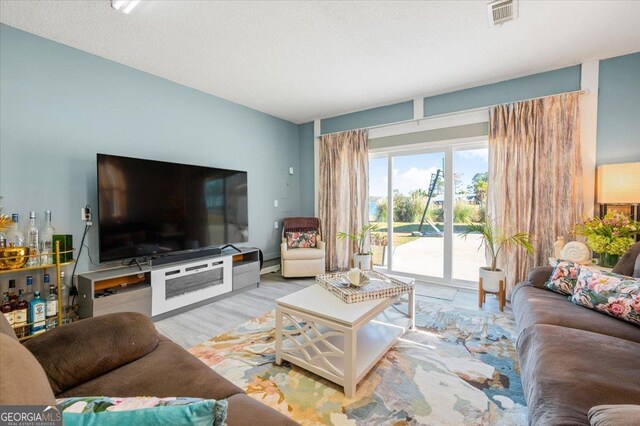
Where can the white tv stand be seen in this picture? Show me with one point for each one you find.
(162, 291)
(175, 286)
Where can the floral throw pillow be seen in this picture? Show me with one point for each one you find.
(612, 294)
(564, 277)
(302, 239)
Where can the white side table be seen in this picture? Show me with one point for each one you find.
(338, 341)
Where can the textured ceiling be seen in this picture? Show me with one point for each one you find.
(305, 60)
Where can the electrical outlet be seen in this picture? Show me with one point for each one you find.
(275, 225)
(275, 203)
(86, 213)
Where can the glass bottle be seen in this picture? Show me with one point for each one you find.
(21, 316)
(13, 297)
(38, 314)
(52, 308)
(29, 295)
(14, 234)
(7, 309)
(46, 238)
(32, 240)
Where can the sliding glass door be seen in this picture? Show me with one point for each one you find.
(421, 201)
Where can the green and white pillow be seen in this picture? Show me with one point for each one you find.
(110, 411)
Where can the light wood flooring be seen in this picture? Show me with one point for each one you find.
(200, 324)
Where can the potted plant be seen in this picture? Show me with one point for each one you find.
(361, 258)
(495, 239)
(610, 236)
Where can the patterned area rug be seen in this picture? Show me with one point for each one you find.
(459, 368)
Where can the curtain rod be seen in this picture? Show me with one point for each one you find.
(446, 114)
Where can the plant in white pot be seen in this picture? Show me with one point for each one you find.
(361, 258)
(495, 239)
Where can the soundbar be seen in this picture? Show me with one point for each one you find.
(163, 259)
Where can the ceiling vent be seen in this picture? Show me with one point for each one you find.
(501, 11)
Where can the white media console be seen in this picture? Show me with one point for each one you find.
(161, 291)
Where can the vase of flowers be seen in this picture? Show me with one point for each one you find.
(610, 236)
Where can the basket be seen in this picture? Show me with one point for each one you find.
(380, 286)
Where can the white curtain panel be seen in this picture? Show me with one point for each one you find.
(344, 192)
(535, 175)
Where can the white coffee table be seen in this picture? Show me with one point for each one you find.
(338, 341)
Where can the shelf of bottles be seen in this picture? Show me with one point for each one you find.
(24, 331)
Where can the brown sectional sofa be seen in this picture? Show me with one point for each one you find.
(115, 355)
(573, 358)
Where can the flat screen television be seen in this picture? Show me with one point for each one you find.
(148, 207)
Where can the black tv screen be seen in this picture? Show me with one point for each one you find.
(150, 207)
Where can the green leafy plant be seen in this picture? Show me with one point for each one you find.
(359, 238)
(495, 239)
(612, 234)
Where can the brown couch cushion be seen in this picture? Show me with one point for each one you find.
(246, 411)
(22, 379)
(627, 262)
(615, 415)
(636, 271)
(81, 351)
(566, 371)
(540, 306)
(539, 276)
(167, 371)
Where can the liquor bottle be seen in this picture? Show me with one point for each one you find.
(46, 239)
(33, 241)
(3, 240)
(7, 309)
(14, 234)
(37, 315)
(52, 308)
(29, 294)
(13, 297)
(21, 316)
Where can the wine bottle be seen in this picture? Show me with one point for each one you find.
(46, 239)
(21, 316)
(14, 234)
(33, 241)
(38, 314)
(52, 308)
(7, 309)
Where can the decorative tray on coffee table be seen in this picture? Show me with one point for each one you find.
(379, 286)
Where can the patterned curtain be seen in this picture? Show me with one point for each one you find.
(535, 174)
(344, 177)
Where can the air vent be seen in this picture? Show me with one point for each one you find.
(501, 11)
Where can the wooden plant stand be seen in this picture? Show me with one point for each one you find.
(501, 294)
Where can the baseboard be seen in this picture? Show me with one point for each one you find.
(268, 269)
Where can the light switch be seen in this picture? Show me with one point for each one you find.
(290, 170)
(275, 203)
(275, 225)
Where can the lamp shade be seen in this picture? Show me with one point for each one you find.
(618, 183)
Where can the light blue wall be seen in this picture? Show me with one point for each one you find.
(60, 106)
(307, 178)
(543, 84)
(619, 110)
(370, 117)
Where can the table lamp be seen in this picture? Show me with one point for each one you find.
(618, 188)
